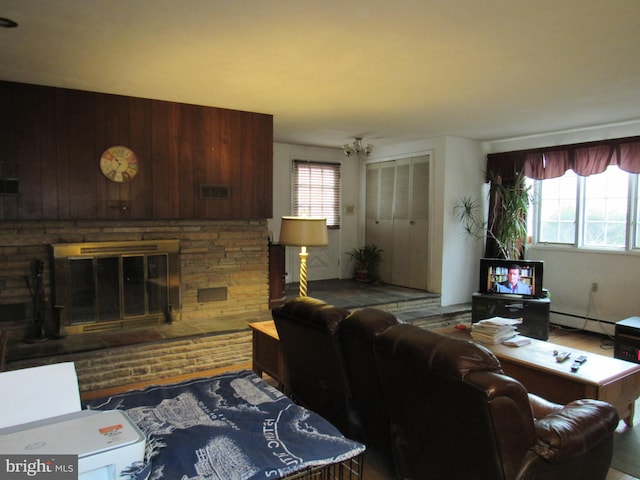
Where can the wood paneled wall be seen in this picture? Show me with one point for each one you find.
(51, 140)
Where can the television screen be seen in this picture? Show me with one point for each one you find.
(515, 277)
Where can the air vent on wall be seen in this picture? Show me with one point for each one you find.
(9, 186)
(215, 294)
(214, 191)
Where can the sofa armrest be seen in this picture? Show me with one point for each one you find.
(541, 407)
(574, 429)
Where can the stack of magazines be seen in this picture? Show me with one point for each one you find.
(495, 330)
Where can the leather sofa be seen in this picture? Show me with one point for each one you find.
(358, 333)
(315, 374)
(454, 414)
(436, 407)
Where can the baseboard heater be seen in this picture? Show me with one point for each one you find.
(583, 322)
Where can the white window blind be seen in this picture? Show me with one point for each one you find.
(316, 190)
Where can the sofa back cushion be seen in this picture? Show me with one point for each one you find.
(315, 375)
(357, 334)
(444, 397)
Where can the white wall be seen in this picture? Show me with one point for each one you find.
(464, 176)
(340, 240)
(569, 272)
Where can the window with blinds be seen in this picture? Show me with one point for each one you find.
(316, 191)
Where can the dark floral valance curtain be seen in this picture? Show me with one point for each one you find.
(583, 158)
(551, 162)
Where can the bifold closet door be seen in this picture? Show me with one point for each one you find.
(397, 206)
(410, 223)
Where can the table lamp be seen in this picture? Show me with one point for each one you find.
(303, 232)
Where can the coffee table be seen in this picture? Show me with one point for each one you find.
(603, 378)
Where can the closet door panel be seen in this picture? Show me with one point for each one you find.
(419, 223)
(379, 215)
(401, 197)
(397, 219)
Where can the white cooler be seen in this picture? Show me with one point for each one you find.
(105, 442)
(41, 415)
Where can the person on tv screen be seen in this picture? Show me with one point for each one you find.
(513, 283)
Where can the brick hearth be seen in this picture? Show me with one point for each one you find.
(211, 334)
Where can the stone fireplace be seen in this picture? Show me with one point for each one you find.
(222, 280)
(100, 286)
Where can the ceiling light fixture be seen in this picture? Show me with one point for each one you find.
(357, 148)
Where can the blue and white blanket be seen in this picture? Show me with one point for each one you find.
(229, 427)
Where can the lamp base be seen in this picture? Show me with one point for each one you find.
(303, 271)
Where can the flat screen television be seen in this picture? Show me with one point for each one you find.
(495, 277)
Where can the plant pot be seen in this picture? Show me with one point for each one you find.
(362, 275)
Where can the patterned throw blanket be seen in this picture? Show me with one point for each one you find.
(228, 427)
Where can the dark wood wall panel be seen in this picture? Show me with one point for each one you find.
(60, 158)
(213, 169)
(224, 161)
(243, 160)
(50, 189)
(163, 174)
(52, 139)
(140, 194)
(189, 120)
(263, 164)
(30, 156)
(76, 133)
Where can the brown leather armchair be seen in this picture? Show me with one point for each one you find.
(454, 415)
(357, 334)
(315, 375)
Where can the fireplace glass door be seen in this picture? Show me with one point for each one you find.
(112, 288)
(112, 285)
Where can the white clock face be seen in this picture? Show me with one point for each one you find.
(119, 164)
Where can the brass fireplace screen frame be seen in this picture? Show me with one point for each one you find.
(101, 286)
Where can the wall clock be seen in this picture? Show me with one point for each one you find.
(119, 164)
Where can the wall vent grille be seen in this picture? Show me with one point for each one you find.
(214, 191)
(215, 294)
(9, 186)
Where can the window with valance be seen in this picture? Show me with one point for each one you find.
(584, 159)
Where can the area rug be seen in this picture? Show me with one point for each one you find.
(626, 451)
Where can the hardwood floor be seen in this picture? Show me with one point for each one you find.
(582, 340)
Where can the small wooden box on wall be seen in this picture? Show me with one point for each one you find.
(277, 289)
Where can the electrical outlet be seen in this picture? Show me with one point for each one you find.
(594, 287)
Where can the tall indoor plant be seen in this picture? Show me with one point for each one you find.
(507, 224)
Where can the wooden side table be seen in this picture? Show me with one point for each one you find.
(267, 352)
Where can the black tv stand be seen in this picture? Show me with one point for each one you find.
(533, 311)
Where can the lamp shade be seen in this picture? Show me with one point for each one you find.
(304, 232)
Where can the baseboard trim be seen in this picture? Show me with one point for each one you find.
(582, 322)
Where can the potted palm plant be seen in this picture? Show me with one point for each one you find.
(365, 262)
(509, 220)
